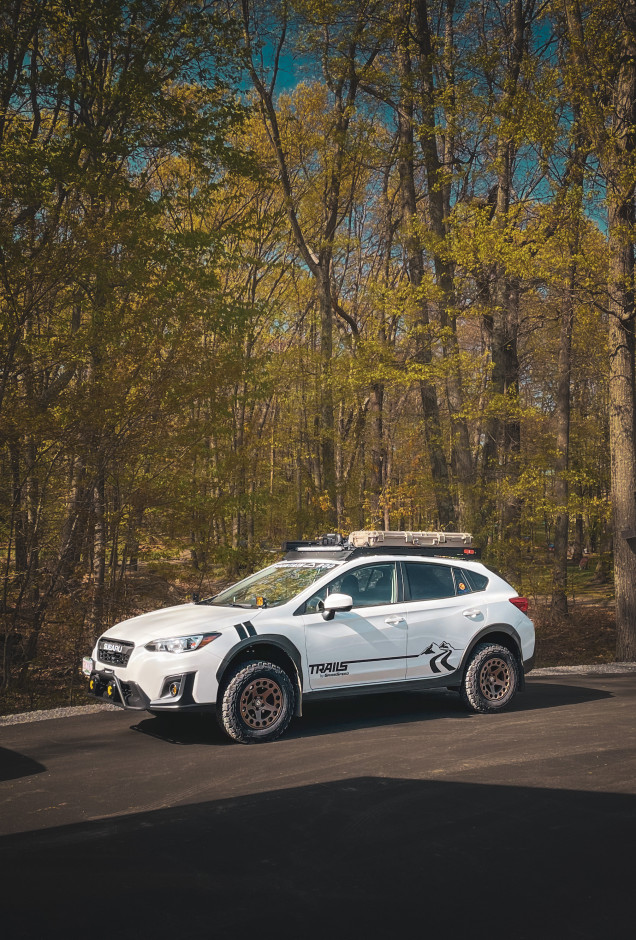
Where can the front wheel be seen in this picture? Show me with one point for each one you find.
(491, 679)
(257, 703)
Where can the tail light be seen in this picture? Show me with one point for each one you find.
(521, 603)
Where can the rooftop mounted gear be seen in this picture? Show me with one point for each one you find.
(374, 542)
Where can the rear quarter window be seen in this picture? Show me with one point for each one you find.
(477, 582)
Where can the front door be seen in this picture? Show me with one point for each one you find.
(364, 645)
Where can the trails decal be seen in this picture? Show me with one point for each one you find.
(340, 669)
(442, 653)
(329, 669)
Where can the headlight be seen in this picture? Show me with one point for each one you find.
(181, 644)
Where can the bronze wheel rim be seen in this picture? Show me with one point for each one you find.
(261, 703)
(495, 680)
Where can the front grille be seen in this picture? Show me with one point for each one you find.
(114, 652)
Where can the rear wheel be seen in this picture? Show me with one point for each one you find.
(491, 679)
(257, 703)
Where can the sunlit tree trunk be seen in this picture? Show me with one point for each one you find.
(415, 263)
(614, 143)
(574, 188)
(436, 172)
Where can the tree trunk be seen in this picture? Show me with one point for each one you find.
(415, 263)
(577, 548)
(503, 435)
(326, 429)
(378, 456)
(461, 457)
(621, 426)
(76, 519)
(17, 509)
(99, 555)
(563, 399)
(561, 461)
(616, 150)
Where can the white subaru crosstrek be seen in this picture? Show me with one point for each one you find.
(403, 611)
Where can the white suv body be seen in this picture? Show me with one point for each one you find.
(333, 623)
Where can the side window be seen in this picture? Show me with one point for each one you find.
(371, 584)
(429, 582)
(368, 585)
(478, 582)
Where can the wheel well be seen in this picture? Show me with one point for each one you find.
(271, 653)
(504, 639)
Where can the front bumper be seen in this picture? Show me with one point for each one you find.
(108, 687)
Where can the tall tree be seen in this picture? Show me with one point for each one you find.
(603, 62)
(346, 55)
(415, 259)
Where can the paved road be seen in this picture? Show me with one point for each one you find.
(399, 817)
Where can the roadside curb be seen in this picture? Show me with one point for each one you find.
(598, 669)
(69, 711)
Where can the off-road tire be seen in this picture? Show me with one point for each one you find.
(491, 679)
(256, 703)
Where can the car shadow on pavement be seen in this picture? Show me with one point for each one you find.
(366, 711)
(554, 695)
(183, 729)
(14, 765)
(361, 857)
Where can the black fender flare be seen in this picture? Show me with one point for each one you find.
(268, 639)
(483, 635)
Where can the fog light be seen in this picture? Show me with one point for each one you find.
(172, 687)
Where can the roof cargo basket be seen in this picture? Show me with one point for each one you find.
(375, 541)
(369, 538)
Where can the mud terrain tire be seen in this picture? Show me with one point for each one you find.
(491, 679)
(257, 703)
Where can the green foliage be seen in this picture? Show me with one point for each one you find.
(180, 369)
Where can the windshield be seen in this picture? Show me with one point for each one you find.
(273, 586)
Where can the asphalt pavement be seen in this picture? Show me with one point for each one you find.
(386, 816)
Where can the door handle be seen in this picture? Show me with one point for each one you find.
(395, 621)
(473, 613)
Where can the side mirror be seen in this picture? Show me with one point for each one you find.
(336, 602)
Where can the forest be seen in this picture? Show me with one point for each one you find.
(276, 268)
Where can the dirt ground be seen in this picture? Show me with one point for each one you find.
(585, 637)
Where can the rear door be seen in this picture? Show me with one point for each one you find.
(443, 614)
(366, 644)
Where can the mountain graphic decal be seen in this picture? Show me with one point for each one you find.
(441, 654)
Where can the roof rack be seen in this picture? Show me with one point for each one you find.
(383, 542)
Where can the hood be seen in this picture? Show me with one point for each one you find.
(182, 620)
